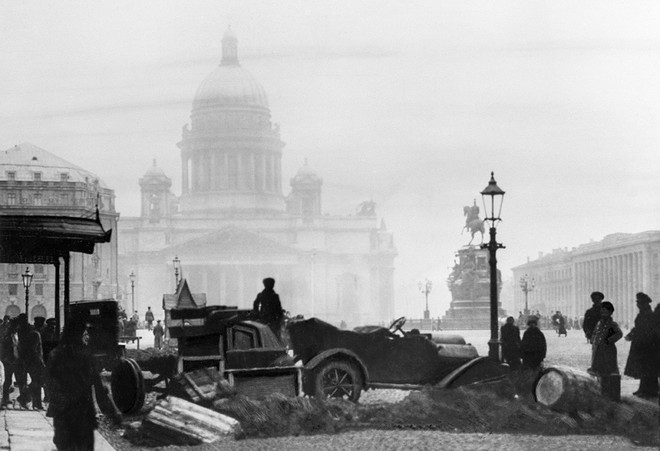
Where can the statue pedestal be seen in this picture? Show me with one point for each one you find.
(469, 284)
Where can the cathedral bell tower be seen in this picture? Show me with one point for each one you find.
(305, 197)
(155, 190)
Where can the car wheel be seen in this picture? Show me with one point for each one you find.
(337, 379)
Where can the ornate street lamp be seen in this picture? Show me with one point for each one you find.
(492, 197)
(177, 266)
(27, 281)
(132, 277)
(425, 288)
(527, 285)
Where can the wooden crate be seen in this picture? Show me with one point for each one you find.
(260, 382)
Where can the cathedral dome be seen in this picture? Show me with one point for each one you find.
(229, 84)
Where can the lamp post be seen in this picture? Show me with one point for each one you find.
(177, 266)
(27, 281)
(132, 277)
(492, 197)
(425, 287)
(527, 285)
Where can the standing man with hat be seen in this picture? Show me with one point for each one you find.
(268, 307)
(642, 361)
(592, 315)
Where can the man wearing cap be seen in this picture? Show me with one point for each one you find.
(592, 315)
(158, 335)
(642, 361)
(268, 308)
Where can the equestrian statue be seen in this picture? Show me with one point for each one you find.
(472, 221)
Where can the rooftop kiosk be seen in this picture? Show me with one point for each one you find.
(42, 239)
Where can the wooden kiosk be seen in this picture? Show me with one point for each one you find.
(49, 240)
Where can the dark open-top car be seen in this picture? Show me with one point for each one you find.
(342, 363)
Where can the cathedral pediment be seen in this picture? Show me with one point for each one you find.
(232, 240)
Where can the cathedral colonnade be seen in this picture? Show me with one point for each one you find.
(215, 171)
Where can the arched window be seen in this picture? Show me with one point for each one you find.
(13, 310)
(38, 310)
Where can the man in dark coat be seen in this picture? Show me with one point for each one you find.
(9, 357)
(158, 335)
(268, 308)
(510, 334)
(642, 361)
(72, 374)
(592, 315)
(31, 357)
(533, 346)
(149, 318)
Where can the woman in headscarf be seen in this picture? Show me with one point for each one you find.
(605, 336)
(72, 375)
(642, 361)
(533, 346)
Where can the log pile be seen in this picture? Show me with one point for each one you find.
(180, 422)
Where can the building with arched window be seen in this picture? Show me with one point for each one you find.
(34, 181)
(232, 226)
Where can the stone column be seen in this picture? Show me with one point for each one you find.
(253, 174)
(278, 174)
(224, 172)
(215, 173)
(185, 164)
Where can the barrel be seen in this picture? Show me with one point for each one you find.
(565, 389)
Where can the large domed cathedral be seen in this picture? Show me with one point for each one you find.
(232, 226)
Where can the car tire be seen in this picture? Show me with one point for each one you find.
(338, 379)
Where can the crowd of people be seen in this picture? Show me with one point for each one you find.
(24, 350)
(602, 333)
(556, 321)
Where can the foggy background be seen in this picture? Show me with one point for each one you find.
(411, 104)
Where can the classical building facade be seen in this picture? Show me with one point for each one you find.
(33, 181)
(620, 265)
(232, 225)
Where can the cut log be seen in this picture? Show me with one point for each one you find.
(177, 421)
(566, 389)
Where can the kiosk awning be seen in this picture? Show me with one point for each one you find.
(43, 239)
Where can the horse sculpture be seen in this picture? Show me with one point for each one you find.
(472, 222)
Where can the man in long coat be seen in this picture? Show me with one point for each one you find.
(592, 315)
(268, 308)
(642, 361)
(510, 334)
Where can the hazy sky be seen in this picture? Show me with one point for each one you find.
(409, 103)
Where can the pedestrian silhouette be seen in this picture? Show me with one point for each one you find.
(510, 334)
(533, 346)
(268, 308)
(606, 334)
